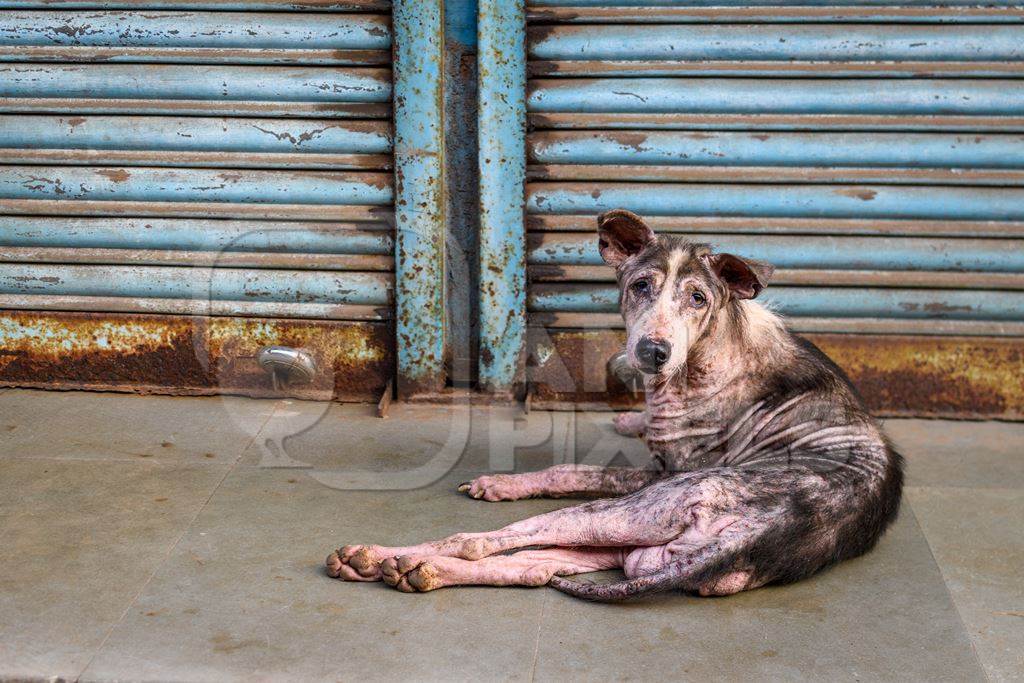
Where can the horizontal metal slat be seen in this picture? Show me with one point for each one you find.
(195, 134)
(295, 161)
(196, 307)
(930, 279)
(832, 201)
(144, 184)
(777, 42)
(199, 141)
(822, 252)
(770, 122)
(750, 3)
(890, 150)
(195, 82)
(778, 174)
(783, 69)
(903, 12)
(217, 235)
(815, 302)
(244, 5)
(695, 225)
(77, 106)
(222, 284)
(193, 55)
(991, 97)
(311, 212)
(279, 30)
(973, 328)
(206, 259)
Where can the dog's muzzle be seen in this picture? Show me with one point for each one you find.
(652, 354)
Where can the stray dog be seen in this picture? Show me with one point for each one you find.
(766, 467)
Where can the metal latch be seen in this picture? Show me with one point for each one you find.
(287, 365)
(619, 368)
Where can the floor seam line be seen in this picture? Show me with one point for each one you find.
(170, 551)
(949, 593)
(536, 642)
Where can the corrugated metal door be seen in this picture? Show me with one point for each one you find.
(875, 154)
(180, 187)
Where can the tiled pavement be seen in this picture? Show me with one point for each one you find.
(147, 538)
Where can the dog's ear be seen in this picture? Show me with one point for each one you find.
(744, 277)
(620, 234)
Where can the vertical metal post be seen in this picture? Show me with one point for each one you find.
(419, 195)
(501, 37)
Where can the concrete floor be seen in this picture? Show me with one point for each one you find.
(149, 538)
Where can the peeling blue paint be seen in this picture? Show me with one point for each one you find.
(502, 156)
(419, 202)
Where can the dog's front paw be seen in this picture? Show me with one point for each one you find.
(411, 574)
(630, 424)
(495, 487)
(355, 563)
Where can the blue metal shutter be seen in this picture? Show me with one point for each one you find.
(873, 153)
(166, 159)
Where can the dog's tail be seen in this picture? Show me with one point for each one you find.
(689, 573)
(659, 582)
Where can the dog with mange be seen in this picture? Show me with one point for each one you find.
(765, 465)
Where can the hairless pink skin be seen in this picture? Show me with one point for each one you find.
(630, 424)
(603, 534)
(765, 467)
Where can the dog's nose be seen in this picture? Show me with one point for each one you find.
(652, 354)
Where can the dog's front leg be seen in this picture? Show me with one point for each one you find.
(651, 516)
(416, 573)
(560, 481)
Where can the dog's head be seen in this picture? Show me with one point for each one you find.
(671, 290)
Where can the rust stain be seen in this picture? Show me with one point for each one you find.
(116, 175)
(939, 308)
(897, 375)
(863, 195)
(569, 366)
(629, 139)
(933, 376)
(189, 355)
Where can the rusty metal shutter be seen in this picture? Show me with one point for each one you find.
(873, 153)
(184, 182)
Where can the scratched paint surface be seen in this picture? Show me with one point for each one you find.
(189, 355)
(501, 121)
(897, 375)
(194, 29)
(873, 154)
(419, 210)
(185, 183)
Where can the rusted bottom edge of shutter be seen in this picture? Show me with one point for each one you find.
(897, 375)
(190, 355)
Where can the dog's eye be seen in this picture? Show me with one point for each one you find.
(698, 300)
(641, 287)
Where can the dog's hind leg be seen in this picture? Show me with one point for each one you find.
(415, 573)
(561, 481)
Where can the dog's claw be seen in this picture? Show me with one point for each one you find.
(464, 486)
